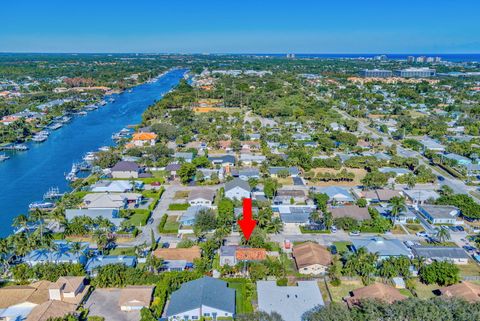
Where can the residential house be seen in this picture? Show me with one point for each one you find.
(51, 310)
(115, 186)
(105, 201)
(135, 298)
(112, 215)
(285, 197)
(453, 254)
(172, 170)
(250, 159)
(353, 211)
(337, 194)
(222, 160)
(430, 144)
(70, 289)
(291, 302)
(311, 258)
(227, 255)
(420, 196)
(385, 248)
(376, 291)
(17, 301)
(246, 173)
(396, 171)
(440, 214)
(96, 262)
(467, 291)
(458, 159)
(126, 169)
(237, 189)
(187, 156)
(209, 173)
(287, 171)
(206, 297)
(202, 197)
(377, 195)
(143, 139)
(188, 218)
(246, 254)
(178, 258)
(301, 136)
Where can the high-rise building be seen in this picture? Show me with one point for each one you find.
(291, 55)
(416, 72)
(376, 73)
(410, 59)
(421, 59)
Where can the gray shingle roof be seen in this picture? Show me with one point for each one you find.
(237, 182)
(205, 291)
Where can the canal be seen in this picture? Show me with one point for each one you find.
(26, 176)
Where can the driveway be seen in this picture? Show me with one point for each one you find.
(104, 303)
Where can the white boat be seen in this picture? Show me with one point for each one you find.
(89, 157)
(20, 147)
(39, 138)
(82, 113)
(104, 148)
(55, 126)
(40, 205)
(3, 157)
(103, 103)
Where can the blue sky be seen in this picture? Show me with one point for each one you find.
(241, 26)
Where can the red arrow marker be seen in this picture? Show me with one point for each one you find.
(247, 224)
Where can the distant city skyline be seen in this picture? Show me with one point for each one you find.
(248, 26)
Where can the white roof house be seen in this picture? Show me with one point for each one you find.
(291, 302)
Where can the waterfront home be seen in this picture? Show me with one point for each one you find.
(284, 171)
(188, 218)
(105, 201)
(202, 197)
(385, 248)
(440, 214)
(467, 291)
(291, 302)
(96, 262)
(143, 139)
(420, 196)
(237, 189)
(222, 160)
(354, 211)
(376, 291)
(62, 253)
(311, 258)
(185, 156)
(112, 215)
(115, 186)
(135, 297)
(453, 254)
(70, 289)
(202, 298)
(336, 194)
(125, 169)
(174, 257)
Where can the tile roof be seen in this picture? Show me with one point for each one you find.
(310, 253)
(250, 254)
(51, 309)
(136, 296)
(377, 291)
(144, 136)
(354, 211)
(34, 293)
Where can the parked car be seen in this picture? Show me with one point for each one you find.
(460, 228)
(422, 234)
(333, 229)
(441, 178)
(354, 233)
(469, 248)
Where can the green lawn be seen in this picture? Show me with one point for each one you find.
(122, 251)
(469, 269)
(138, 217)
(243, 299)
(172, 224)
(425, 291)
(178, 206)
(343, 290)
(342, 246)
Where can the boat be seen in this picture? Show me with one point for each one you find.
(41, 205)
(20, 147)
(103, 103)
(104, 148)
(91, 107)
(65, 119)
(39, 138)
(52, 193)
(55, 126)
(82, 113)
(130, 90)
(111, 99)
(72, 175)
(3, 157)
(89, 157)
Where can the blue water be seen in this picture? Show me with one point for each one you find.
(26, 176)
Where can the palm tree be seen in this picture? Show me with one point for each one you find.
(275, 226)
(77, 248)
(39, 217)
(410, 180)
(443, 235)
(398, 206)
(21, 221)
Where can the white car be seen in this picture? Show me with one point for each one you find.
(333, 229)
(422, 234)
(354, 233)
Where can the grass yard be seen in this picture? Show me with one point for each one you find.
(243, 298)
(425, 291)
(397, 229)
(122, 251)
(342, 246)
(343, 290)
(138, 217)
(285, 181)
(359, 175)
(414, 228)
(180, 195)
(172, 225)
(469, 269)
(178, 206)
